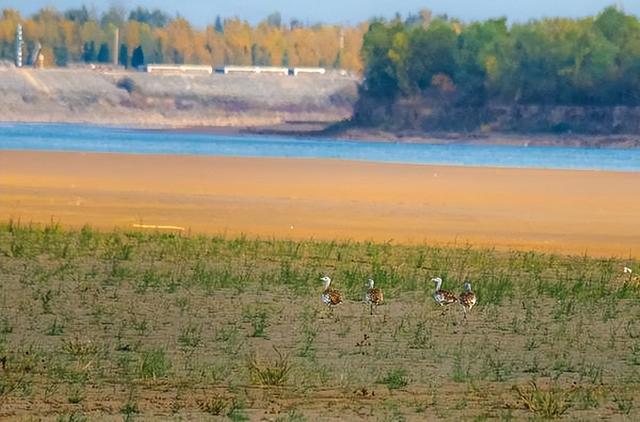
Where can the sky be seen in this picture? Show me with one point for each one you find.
(203, 12)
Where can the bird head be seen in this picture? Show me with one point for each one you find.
(326, 281)
(467, 286)
(370, 283)
(436, 280)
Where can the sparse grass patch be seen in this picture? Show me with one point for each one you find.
(88, 313)
(275, 372)
(190, 337)
(56, 328)
(548, 403)
(153, 364)
(257, 317)
(396, 379)
(215, 405)
(624, 403)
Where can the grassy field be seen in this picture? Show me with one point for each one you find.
(134, 326)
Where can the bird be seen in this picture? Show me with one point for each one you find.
(330, 297)
(467, 299)
(443, 297)
(373, 296)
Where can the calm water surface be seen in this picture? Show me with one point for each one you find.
(55, 137)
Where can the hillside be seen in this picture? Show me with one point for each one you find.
(147, 100)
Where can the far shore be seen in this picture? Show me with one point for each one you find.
(344, 131)
(563, 211)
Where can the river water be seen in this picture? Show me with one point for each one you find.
(85, 138)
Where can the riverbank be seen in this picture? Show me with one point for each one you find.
(593, 212)
(347, 131)
(318, 106)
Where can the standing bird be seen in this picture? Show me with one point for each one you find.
(330, 297)
(467, 299)
(443, 297)
(373, 296)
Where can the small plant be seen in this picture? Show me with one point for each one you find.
(45, 300)
(55, 329)
(78, 347)
(236, 412)
(461, 372)
(307, 350)
(129, 409)
(5, 326)
(422, 337)
(183, 304)
(549, 404)
(75, 395)
(624, 403)
(258, 320)
(190, 337)
(270, 373)
(634, 359)
(396, 379)
(292, 416)
(215, 405)
(73, 417)
(496, 367)
(140, 325)
(154, 364)
(588, 397)
(231, 337)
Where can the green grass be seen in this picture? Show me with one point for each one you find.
(396, 378)
(210, 325)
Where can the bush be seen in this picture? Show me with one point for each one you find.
(127, 84)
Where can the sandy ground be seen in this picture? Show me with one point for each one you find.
(561, 211)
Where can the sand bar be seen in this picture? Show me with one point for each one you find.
(563, 211)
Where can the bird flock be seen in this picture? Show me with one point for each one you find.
(374, 297)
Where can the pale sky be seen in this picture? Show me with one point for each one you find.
(203, 12)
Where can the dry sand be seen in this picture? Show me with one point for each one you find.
(575, 212)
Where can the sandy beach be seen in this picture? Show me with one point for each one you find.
(575, 212)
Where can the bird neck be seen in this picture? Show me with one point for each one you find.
(438, 285)
(326, 285)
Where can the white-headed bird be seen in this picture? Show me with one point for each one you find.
(373, 296)
(443, 297)
(330, 297)
(467, 299)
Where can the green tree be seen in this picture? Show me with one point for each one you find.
(104, 56)
(430, 52)
(89, 52)
(80, 15)
(155, 18)
(137, 58)
(380, 75)
(219, 26)
(123, 55)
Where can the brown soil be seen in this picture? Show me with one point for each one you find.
(577, 212)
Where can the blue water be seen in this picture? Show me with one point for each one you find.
(56, 137)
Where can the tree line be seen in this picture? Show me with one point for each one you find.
(152, 36)
(558, 61)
